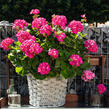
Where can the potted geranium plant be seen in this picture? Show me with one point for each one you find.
(97, 97)
(49, 54)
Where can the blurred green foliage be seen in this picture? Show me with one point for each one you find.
(96, 10)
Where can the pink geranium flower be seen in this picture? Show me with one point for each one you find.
(30, 48)
(38, 22)
(6, 43)
(59, 20)
(75, 60)
(91, 45)
(53, 53)
(35, 48)
(45, 29)
(44, 68)
(20, 24)
(83, 15)
(101, 88)
(75, 26)
(24, 35)
(60, 36)
(87, 75)
(34, 11)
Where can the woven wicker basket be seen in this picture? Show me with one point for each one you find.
(47, 93)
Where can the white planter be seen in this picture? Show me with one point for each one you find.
(50, 92)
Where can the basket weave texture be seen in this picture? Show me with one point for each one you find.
(50, 92)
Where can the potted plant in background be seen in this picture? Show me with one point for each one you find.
(97, 97)
(49, 54)
(87, 77)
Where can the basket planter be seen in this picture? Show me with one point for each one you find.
(50, 92)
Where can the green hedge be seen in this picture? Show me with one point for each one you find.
(96, 10)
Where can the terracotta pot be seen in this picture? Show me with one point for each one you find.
(3, 102)
(71, 100)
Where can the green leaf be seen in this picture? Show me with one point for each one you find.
(65, 70)
(17, 43)
(14, 48)
(37, 33)
(80, 72)
(52, 74)
(73, 74)
(42, 44)
(23, 72)
(37, 40)
(65, 73)
(19, 69)
(38, 76)
(58, 63)
(9, 55)
(69, 59)
(76, 36)
(35, 63)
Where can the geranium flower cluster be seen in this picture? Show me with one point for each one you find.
(44, 68)
(75, 26)
(38, 22)
(5, 44)
(59, 20)
(45, 30)
(34, 11)
(48, 46)
(19, 24)
(60, 37)
(53, 53)
(101, 88)
(24, 35)
(87, 75)
(31, 48)
(75, 60)
(91, 45)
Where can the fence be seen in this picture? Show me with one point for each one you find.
(100, 35)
